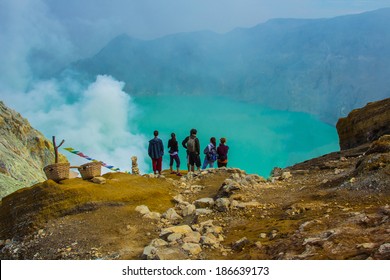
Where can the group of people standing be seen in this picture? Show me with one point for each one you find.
(191, 144)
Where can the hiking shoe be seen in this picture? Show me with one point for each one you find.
(179, 174)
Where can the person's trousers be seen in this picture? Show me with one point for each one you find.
(207, 162)
(176, 159)
(157, 164)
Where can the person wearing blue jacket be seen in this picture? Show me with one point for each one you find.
(156, 152)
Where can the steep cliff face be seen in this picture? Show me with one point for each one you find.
(364, 125)
(24, 152)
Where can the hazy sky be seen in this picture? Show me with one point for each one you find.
(63, 31)
(89, 24)
(97, 21)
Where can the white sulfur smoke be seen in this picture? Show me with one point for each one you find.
(97, 123)
(33, 43)
(97, 120)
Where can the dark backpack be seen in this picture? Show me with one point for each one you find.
(191, 145)
(210, 154)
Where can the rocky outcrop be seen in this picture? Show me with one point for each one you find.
(24, 152)
(364, 125)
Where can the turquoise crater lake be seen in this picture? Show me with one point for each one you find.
(259, 138)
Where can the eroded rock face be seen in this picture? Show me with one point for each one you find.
(24, 152)
(364, 125)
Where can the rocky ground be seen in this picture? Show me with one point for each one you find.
(333, 207)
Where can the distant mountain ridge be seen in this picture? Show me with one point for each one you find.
(325, 67)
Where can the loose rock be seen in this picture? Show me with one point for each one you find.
(204, 203)
(142, 209)
(99, 180)
(240, 244)
(191, 248)
(222, 204)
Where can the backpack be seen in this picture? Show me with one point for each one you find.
(212, 157)
(211, 154)
(191, 145)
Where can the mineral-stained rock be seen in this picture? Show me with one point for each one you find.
(276, 172)
(184, 229)
(171, 215)
(209, 240)
(382, 145)
(384, 249)
(286, 175)
(189, 210)
(174, 237)
(366, 246)
(250, 204)
(142, 209)
(364, 125)
(193, 249)
(178, 198)
(99, 180)
(228, 187)
(24, 152)
(204, 202)
(203, 211)
(149, 253)
(313, 241)
(192, 237)
(158, 243)
(206, 224)
(166, 253)
(152, 216)
(222, 204)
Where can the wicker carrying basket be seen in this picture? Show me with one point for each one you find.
(57, 171)
(90, 170)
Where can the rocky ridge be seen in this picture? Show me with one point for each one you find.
(24, 152)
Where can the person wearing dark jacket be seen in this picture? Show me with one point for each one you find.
(173, 147)
(191, 143)
(222, 152)
(156, 152)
